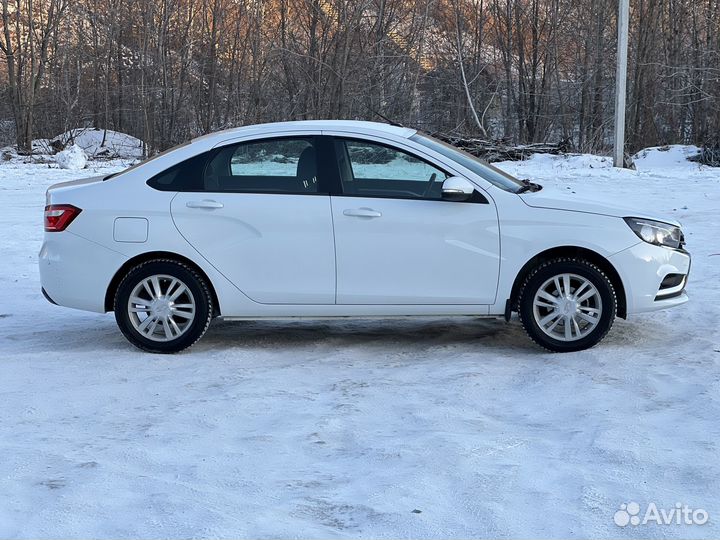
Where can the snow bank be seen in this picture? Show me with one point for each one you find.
(571, 164)
(96, 143)
(114, 145)
(73, 158)
(664, 157)
(571, 161)
(655, 159)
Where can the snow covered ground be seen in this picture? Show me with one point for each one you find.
(432, 428)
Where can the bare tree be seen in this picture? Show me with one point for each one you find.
(29, 28)
(521, 70)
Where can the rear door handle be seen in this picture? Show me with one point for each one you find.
(205, 203)
(362, 212)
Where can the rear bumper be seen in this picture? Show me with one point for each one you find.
(75, 272)
(643, 267)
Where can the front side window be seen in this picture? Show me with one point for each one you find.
(483, 169)
(287, 165)
(374, 170)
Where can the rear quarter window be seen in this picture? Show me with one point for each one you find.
(184, 176)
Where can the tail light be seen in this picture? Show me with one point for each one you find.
(59, 216)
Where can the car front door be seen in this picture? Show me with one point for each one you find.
(398, 242)
(261, 215)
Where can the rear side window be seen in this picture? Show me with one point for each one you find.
(184, 176)
(286, 165)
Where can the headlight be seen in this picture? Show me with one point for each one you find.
(656, 232)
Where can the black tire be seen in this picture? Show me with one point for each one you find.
(567, 265)
(192, 331)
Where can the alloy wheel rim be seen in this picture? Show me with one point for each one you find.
(161, 308)
(567, 307)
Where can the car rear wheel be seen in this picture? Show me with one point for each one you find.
(163, 306)
(567, 304)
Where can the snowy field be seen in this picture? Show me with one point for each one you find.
(433, 428)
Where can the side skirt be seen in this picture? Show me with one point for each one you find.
(347, 317)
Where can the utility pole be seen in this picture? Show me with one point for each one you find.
(621, 82)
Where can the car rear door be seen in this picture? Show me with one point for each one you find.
(262, 217)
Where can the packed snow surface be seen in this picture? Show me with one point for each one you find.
(433, 428)
(73, 158)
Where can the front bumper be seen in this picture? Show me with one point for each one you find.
(643, 267)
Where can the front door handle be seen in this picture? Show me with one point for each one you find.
(362, 212)
(205, 203)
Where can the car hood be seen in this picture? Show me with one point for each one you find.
(559, 200)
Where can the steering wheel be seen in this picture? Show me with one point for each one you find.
(425, 194)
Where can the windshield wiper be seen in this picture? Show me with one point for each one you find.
(527, 185)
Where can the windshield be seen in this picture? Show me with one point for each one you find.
(483, 169)
(148, 160)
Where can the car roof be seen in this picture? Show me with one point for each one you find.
(350, 126)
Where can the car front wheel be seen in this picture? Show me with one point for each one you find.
(163, 306)
(567, 304)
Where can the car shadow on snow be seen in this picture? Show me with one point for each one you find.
(99, 334)
(464, 334)
(405, 332)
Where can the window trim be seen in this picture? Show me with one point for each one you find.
(477, 198)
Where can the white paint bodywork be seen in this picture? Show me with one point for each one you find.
(269, 255)
(415, 252)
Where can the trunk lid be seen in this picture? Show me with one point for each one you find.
(63, 188)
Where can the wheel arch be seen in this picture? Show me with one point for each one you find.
(144, 257)
(571, 251)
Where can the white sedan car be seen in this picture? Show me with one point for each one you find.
(347, 219)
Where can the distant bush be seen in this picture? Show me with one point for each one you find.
(708, 155)
(7, 132)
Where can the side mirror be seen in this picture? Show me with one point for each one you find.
(457, 189)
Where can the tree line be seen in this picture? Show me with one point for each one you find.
(524, 71)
